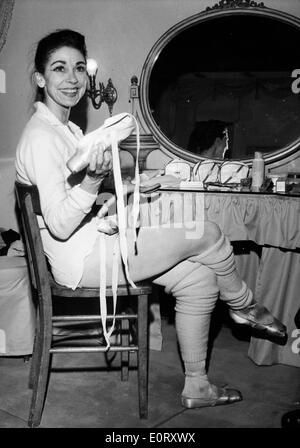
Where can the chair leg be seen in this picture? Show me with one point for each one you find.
(125, 354)
(35, 356)
(143, 355)
(42, 364)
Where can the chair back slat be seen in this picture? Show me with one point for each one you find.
(29, 205)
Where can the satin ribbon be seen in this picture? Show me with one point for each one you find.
(121, 242)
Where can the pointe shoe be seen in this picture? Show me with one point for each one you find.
(259, 318)
(224, 396)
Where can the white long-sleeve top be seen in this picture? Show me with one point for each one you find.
(41, 159)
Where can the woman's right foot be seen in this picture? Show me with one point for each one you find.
(213, 396)
(259, 318)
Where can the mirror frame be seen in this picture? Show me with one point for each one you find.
(222, 9)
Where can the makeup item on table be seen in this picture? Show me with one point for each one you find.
(293, 182)
(273, 178)
(179, 169)
(281, 185)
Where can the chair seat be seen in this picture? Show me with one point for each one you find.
(123, 290)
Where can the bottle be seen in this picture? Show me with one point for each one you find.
(258, 171)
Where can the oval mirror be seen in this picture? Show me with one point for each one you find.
(235, 64)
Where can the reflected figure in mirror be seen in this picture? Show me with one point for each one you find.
(209, 139)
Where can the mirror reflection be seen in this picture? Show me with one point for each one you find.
(229, 76)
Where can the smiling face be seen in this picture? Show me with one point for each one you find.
(64, 81)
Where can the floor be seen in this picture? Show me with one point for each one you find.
(82, 394)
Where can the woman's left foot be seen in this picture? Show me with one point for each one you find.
(220, 397)
(259, 318)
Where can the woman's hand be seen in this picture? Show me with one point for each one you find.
(99, 167)
(100, 164)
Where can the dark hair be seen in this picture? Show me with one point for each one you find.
(205, 133)
(53, 41)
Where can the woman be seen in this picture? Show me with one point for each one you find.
(193, 270)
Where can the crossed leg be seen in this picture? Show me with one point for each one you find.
(182, 266)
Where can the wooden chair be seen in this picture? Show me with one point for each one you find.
(45, 288)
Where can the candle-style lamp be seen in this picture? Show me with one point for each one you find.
(106, 94)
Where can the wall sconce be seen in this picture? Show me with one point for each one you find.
(106, 94)
(147, 141)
